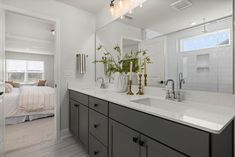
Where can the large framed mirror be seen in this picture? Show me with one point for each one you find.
(189, 41)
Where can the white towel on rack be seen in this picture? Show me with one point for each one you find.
(81, 63)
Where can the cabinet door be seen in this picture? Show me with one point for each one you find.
(73, 124)
(151, 148)
(83, 125)
(79, 122)
(123, 141)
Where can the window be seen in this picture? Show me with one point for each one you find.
(24, 71)
(206, 41)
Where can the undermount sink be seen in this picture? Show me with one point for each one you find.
(155, 102)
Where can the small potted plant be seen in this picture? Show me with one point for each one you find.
(118, 67)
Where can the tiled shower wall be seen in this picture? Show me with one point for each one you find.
(218, 76)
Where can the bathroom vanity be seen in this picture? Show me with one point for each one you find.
(195, 54)
(110, 124)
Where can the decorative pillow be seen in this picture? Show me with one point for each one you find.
(16, 85)
(8, 88)
(10, 82)
(42, 82)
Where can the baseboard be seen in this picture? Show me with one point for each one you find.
(65, 133)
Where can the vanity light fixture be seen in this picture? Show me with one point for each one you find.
(120, 4)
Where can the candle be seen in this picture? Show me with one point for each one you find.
(140, 65)
(145, 66)
(131, 66)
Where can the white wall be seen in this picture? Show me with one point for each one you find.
(104, 17)
(76, 34)
(47, 59)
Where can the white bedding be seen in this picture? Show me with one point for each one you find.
(28, 100)
(33, 99)
(11, 101)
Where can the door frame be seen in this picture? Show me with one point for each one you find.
(56, 56)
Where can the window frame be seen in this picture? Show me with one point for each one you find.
(26, 71)
(202, 35)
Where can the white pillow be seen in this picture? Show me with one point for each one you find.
(8, 88)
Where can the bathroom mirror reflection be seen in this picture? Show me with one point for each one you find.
(189, 41)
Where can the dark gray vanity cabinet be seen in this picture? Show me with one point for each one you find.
(79, 120)
(152, 148)
(112, 130)
(73, 125)
(127, 142)
(185, 139)
(123, 141)
(98, 127)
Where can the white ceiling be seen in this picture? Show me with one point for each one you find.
(92, 6)
(159, 16)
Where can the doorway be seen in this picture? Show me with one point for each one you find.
(31, 59)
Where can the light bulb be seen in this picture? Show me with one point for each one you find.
(131, 12)
(120, 3)
(112, 10)
(141, 5)
(53, 32)
(122, 17)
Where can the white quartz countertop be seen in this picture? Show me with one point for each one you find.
(206, 117)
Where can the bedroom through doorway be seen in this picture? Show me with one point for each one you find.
(30, 96)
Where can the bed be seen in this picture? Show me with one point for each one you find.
(28, 103)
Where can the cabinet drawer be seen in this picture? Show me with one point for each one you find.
(193, 142)
(98, 105)
(96, 149)
(98, 126)
(82, 98)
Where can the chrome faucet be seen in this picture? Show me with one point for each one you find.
(181, 80)
(173, 95)
(103, 85)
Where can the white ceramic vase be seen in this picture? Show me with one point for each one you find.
(120, 82)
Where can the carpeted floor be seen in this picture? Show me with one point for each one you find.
(30, 133)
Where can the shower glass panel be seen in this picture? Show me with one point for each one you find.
(206, 58)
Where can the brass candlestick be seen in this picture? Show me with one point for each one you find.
(145, 80)
(130, 88)
(140, 92)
